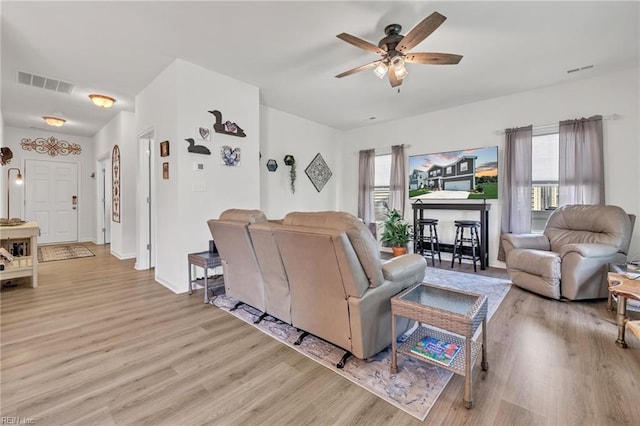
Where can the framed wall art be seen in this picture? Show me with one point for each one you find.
(318, 172)
(165, 170)
(164, 149)
(115, 184)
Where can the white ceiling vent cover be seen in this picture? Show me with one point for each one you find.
(44, 82)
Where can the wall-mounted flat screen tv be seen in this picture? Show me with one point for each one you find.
(467, 174)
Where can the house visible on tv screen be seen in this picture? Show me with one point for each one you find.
(466, 174)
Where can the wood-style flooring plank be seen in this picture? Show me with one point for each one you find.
(101, 343)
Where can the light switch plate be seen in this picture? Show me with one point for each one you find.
(198, 167)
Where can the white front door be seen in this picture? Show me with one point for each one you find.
(51, 198)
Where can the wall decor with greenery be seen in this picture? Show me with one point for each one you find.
(290, 161)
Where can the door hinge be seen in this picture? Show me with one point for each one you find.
(103, 229)
(148, 200)
(148, 246)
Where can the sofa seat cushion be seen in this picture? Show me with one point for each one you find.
(535, 270)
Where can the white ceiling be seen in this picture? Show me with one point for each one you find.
(290, 51)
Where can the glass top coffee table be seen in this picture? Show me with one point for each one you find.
(452, 316)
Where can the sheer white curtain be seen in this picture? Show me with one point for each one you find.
(581, 174)
(398, 182)
(516, 183)
(366, 184)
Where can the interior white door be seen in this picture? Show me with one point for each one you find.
(51, 199)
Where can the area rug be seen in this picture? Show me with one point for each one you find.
(62, 252)
(417, 385)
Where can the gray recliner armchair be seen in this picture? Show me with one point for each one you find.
(570, 259)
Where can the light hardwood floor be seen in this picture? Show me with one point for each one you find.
(100, 343)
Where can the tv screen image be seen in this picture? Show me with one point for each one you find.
(466, 174)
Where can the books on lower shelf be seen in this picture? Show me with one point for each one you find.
(436, 349)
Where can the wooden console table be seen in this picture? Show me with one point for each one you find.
(483, 208)
(24, 264)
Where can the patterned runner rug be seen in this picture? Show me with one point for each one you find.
(417, 385)
(62, 252)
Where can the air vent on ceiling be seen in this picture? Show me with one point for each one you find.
(44, 82)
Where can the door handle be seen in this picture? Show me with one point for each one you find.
(74, 201)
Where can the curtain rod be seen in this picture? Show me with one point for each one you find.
(613, 116)
(385, 150)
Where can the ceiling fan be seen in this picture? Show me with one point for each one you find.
(394, 50)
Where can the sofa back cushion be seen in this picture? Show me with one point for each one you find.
(240, 215)
(363, 242)
(576, 224)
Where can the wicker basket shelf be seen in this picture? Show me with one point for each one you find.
(457, 366)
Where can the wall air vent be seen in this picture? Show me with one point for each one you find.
(587, 67)
(44, 82)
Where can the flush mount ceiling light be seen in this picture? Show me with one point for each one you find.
(102, 101)
(54, 121)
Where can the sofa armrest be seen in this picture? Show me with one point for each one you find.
(401, 267)
(589, 250)
(526, 241)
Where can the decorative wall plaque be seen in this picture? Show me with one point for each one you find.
(51, 146)
(228, 127)
(230, 156)
(115, 184)
(318, 172)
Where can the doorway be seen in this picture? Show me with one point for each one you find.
(51, 199)
(103, 205)
(146, 254)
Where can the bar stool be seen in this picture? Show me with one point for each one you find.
(473, 239)
(431, 241)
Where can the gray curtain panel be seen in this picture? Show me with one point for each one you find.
(516, 184)
(581, 174)
(366, 183)
(398, 182)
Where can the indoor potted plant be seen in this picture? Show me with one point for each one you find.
(396, 232)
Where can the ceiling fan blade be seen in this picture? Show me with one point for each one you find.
(432, 58)
(362, 44)
(393, 79)
(421, 31)
(358, 69)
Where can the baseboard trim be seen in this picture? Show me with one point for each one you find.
(123, 256)
(168, 285)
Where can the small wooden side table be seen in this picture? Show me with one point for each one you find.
(205, 260)
(623, 288)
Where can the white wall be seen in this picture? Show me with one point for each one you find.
(121, 131)
(281, 134)
(86, 196)
(476, 124)
(175, 104)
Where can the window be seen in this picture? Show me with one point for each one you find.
(381, 190)
(545, 164)
(464, 167)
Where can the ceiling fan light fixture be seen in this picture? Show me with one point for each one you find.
(398, 63)
(102, 101)
(401, 72)
(54, 121)
(381, 70)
